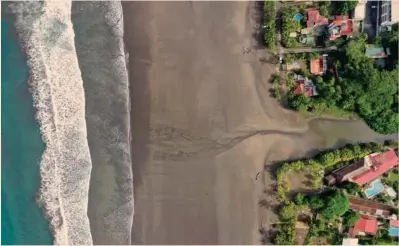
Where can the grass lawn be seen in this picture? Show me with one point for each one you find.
(393, 176)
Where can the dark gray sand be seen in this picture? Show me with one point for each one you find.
(100, 50)
(203, 124)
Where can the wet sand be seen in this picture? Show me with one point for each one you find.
(204, 124)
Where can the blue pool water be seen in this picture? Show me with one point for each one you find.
(297, 17)
(376, 187)
(394, 231)
(22, 221)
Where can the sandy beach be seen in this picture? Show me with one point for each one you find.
(205, 130)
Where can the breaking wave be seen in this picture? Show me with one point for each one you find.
(46, 32)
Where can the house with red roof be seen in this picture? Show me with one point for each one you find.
(318, 66)
(394, 223)
(364, 226)
(376, 165)
(314, 18)
(304, 86)
(341, 26)
(366, 170)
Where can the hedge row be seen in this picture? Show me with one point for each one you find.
(269, 17)
(323, 160)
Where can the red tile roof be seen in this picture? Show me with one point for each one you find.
(341, 17)
(314, 18)
(300, 88)
(316, 66)
(394, 223)
(366, 225)
(381, 163)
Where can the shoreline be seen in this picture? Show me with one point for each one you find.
(194, 94)
(64, 179)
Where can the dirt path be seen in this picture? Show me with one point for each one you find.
(203, 123)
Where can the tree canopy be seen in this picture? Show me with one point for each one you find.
(335, 205)
(350, 218)
(362, 87)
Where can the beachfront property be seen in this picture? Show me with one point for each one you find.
(365, 171)
(304, 86)
(371, 208)
(341, 26)
(364, 226)
(318, 66)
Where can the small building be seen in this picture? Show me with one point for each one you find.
(330, 179)
(390, 192)
(359, 12)
(307, 39)
(341, 26)
(370, 208)
(350, 242)
(364, 226)
(304, 86)
(293, 34)
(377, 52)
(292, 66)
(319, 66)
(314, 18)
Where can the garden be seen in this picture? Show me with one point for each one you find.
(326, 210)
(361, 89)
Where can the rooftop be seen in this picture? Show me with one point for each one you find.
(370, 207)
(366, 225)
(341, 26)
(394, 223)
(318, 66)
(376, 52)
(350, 241)
(314, 18)
(380, 164)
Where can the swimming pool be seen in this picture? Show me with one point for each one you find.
(376, 187)
(394, 231)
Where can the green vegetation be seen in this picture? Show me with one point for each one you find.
(330, 207)
(269, 16)
(320, 162)
(364, 89)
(351, 188)
(350, 218)
(343, 7)
(335, 205)
(289, 25)
(324, 8)
(285, 234)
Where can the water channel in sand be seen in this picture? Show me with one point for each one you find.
(204, 124)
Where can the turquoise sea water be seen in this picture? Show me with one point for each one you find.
(23, 221)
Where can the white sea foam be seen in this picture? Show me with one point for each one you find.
(98, 28)
(45, 29)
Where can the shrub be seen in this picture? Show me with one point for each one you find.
(350, 218)
(335, 205)
(299, 199)
(288, 212)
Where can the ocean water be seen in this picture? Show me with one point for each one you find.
(23, 222)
